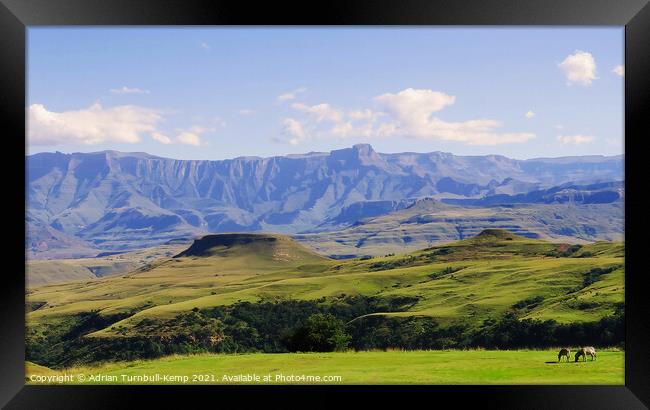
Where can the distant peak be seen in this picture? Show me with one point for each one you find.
(361, 153)
(363, 147)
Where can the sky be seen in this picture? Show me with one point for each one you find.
(226, 92)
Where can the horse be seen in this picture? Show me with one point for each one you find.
(584, 351)
(564, 352)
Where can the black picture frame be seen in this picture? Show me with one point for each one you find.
(17, 15)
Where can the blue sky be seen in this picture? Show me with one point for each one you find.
(215, 93)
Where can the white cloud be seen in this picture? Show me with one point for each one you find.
(472, 132)
(205, 45)
(408, 113)
(128, 90)
(192, 135)
(575, 139)
(320, 112)
(291, 95)
(93, 125)
(529, 114)
(413, 112)
(162, 138)
(415, 106)
(619, 70)
(246, 111)
(188, 138)
(323, 121)
(559, 127)
(365, 115)
(295, 130)
(579, 67)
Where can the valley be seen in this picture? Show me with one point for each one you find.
(50, 271)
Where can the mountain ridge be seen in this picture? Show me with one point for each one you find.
(118, 201)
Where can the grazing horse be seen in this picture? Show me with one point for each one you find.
(584, 351)
(564, 352)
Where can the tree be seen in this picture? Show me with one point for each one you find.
(319, 333)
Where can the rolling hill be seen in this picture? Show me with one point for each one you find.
(465, 282)
(429, 222)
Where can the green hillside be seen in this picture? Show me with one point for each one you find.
(429, 222)
(465, 282)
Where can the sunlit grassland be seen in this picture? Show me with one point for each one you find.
(376, 367)
(490, 275)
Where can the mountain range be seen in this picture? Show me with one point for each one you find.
(82, 203)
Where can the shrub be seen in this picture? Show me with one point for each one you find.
(529, 302)
(320, 333)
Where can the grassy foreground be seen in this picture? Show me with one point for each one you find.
(392, 367)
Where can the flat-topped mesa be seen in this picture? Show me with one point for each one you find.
(274, 248)
(498, 234)
(203, 246)
(423, 203)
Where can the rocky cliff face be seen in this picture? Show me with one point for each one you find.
(118, 200)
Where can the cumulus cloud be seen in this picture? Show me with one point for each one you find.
(529, 114)
(246, 111)
(93, 125)
(205, 45)
(415, 106)
(579, 68)
(619, 70)
(413, 110)
(575, 139)
(320, 112)
(325, 121)
(365, 114)
(161, 138)
(129, 90)
(291, 95)
(408, 113)
(295, 130)
(188, 138)
(192, 136)
(472, 132)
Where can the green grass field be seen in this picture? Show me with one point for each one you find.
(392, 367)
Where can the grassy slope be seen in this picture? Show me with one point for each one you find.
(496, 273)
(45, 272)
(393, 367)
(432, 223)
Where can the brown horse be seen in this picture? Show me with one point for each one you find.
(584, 352)
(564, 352)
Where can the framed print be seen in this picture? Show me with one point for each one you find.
(237, 200)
